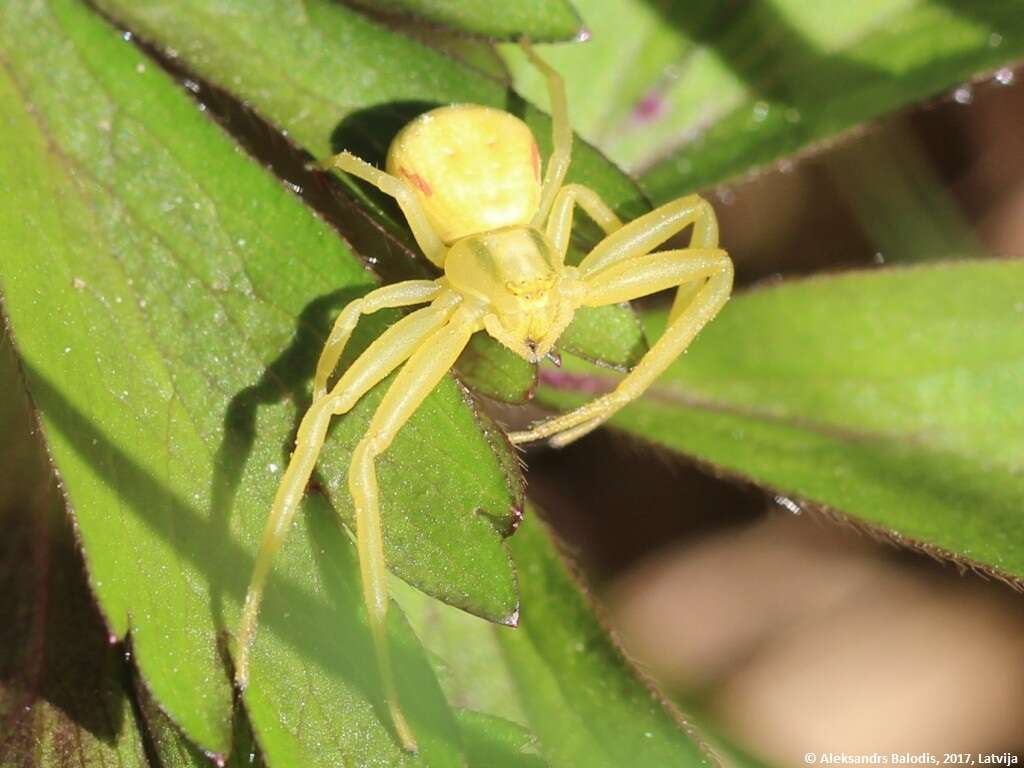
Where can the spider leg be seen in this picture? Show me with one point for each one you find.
(711, 269)
(560, 222)
(417, 379)
(644, 234)
(627, 245)
(390, 296)
(427, 239)
(387, 352)
(561, 135)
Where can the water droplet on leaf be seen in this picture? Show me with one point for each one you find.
(963, 95)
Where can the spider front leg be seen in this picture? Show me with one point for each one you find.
(561, 135)
(710, 269)
(389, 297)
(642, 235)
(384, 355)
(610, 260)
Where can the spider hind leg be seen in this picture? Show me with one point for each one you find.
(417, 379)
(395, 346)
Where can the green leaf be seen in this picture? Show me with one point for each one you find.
(583, 701)
(614, 330)
(63, 684)
(317, 702)
(364, 83)
(466, 657)
(693, 94)
(169, 298)
(893, 397)
(720, 741)
(475, 52)
(496, 743)
(899, 199)
(537, 19)
(173, 749)
(493, 370)
(627, 54)
(557, 674)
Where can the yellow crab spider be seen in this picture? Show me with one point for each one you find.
(468, 180)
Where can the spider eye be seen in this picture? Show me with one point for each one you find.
(531, 288)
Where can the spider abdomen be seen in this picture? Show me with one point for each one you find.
(474, 169)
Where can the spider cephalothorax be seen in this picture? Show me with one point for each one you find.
(468, 180)
(527, 294)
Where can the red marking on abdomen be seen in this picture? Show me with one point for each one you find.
(419, 181)
(535, 156)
